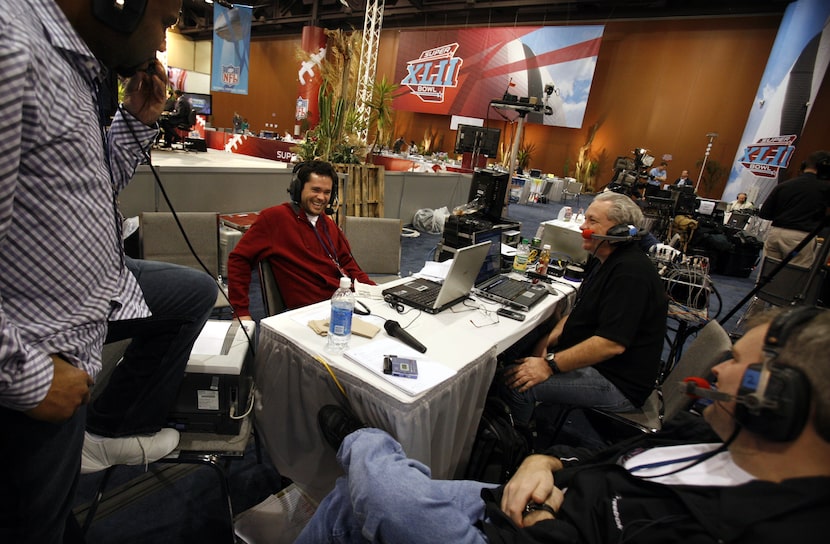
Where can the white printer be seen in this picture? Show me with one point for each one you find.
(216, 389)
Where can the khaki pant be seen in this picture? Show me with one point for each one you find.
(780, 242)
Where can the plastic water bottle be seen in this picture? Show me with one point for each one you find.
(522, 254)
(340, 323)
(544, 261)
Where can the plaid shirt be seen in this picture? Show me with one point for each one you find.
(62, 273)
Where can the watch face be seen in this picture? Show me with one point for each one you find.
(549, 357)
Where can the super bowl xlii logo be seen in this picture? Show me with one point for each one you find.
(432, 72)
(766, 156)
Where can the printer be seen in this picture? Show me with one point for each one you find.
(217, 387)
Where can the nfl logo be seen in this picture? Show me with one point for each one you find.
(230, 75)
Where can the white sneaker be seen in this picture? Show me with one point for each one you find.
(101, 452)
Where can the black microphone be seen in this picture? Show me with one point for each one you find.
(394, 329)
(588, 234)
(697, 387)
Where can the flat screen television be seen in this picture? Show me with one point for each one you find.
(200, 102)
(469, 139)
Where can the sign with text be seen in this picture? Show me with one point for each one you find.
(459, 72)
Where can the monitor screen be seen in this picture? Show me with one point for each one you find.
(470, 139)
(200, 102)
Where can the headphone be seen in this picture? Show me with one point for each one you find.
(304, 169)
(616, 235)
(773, 398)
(120, 15)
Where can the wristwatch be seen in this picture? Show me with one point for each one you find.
(551, 360)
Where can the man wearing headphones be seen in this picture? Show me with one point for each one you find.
(307, 251)
(606, 352)
(763, 475)
(797, 207)
(66, 286)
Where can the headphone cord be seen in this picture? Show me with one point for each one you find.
(697, 459)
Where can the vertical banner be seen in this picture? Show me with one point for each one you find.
(309, 78)
(231, 47)
(795, 70)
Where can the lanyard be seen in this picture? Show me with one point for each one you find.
(331, 253)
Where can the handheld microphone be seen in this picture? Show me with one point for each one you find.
(699, 388)
(394, 329)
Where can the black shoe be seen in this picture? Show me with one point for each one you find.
(337, 423)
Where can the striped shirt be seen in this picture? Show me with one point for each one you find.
(62, 273)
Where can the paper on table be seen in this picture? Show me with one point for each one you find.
(212, 338)
(435, 271)
(430, 373)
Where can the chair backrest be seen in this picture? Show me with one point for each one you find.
(271, 296)
(161, 239)
(711, 347)
(789, 283)
(375, 242)
(574, 187)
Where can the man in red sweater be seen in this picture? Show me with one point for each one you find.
(307, 251)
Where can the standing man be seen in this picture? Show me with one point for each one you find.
(797, 207)
(307, 251)
(65, 284)
(606, 352)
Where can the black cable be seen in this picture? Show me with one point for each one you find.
(160, 185)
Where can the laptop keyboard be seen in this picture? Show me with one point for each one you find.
(425, 297)
(508, 289)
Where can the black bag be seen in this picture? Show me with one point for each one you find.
(499, 447)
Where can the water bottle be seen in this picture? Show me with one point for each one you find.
(522, 254)
(340, 323)
(544, 260)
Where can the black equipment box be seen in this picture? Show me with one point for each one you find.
(195, 144)
(216, 389)
(465, 230)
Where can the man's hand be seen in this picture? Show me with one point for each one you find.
(531, 371)
(69, 390)
(532, 482)
(144, 94)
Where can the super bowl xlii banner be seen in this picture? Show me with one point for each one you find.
(231, 47)
(795, 71)
(459, 72)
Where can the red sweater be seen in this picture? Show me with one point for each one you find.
(299, 257)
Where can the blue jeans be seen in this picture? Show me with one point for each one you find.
(581, 387)
(385, 497)
(144, 386)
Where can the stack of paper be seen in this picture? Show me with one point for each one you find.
(430, 373)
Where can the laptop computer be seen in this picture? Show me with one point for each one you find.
(519, 294)
(433, 297)
(738, 220)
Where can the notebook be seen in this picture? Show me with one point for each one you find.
(519, 294)
(433, 297)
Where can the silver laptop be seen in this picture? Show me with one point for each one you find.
(433, 297)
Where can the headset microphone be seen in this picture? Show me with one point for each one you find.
(699, 388)
(618, 233)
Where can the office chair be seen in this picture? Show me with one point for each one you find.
(712, 346)
(271, 296)
(182, 130)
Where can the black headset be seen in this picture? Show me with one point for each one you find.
(304, 170)
(774, 399)
(119, 16)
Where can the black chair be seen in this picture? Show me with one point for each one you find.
(182, 130)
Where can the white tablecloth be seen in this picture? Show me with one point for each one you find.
(436, 427)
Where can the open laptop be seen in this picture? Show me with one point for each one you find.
(433, 297)
(519, 294)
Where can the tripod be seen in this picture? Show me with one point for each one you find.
(803, 295)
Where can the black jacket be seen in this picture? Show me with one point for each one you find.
(604, 503)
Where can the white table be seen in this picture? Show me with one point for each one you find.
(436, 427)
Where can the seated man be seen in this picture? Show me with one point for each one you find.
(180, 115)
(769, 477)
(683, 179)
(607, 350)
(740, 204)
(307, 251)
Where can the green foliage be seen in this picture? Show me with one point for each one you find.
(524, 155)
